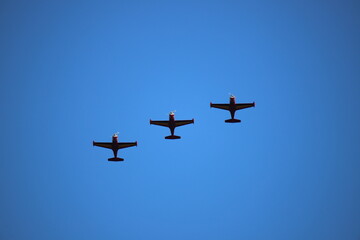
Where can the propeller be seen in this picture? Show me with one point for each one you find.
(116, 134)
(231, 95)
(172, 112)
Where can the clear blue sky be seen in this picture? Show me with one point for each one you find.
(76, 71)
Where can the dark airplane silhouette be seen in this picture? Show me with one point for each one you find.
(172, 124)
(232, 107)
(115, 146)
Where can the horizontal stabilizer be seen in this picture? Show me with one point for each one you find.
(172, 137)
(233, 120)
(116, 159)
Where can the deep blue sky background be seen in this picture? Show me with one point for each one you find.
(77, 71)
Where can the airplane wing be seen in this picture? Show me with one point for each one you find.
(126, 144)
(223, 106)
(179, 123)
(103, 144)
(244, 105)
(160, 123)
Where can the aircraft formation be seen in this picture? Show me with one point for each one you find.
(115, 145)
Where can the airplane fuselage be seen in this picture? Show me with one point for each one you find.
(232, 107)
(114, 145)
(172, 124)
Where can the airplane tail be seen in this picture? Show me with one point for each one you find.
(233, 120)
(115, 159)
(172, 137)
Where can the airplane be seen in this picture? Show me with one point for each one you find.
(115, 146)
(232, 107)
(172, 124)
